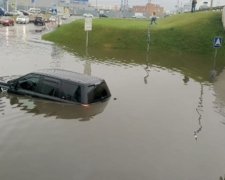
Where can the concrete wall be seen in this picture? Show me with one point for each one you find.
(223, 17)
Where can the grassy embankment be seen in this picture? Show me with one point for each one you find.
(183, 42)
(184, 33)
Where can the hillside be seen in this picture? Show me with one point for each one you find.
(183, 33)
(181, 42)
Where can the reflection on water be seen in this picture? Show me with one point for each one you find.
(186, 79)
(219, 88)
(57, 56)
(53, 109)
(196, 67)
(199, 110)
(213, 72)
(57, 52)
(2, 105)
(147, 70)
(87, 63)
(148, 56)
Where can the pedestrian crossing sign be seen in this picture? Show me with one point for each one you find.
(217, 42)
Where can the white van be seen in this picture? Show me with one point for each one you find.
(34, 10)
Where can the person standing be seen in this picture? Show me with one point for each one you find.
(193, 5)
(153, 18)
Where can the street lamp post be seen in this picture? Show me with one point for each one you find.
(7, 5)
(211, 4)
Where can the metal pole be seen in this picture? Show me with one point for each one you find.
(7, 5)
(211, 4)
(87, 39)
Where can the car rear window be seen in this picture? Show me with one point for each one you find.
(98, 92)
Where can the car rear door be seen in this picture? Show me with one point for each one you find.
(49, 88)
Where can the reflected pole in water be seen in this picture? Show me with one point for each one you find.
(199, 110)
(213, 72)
(147, 68)
(222, 178)
(57, 55)
(87, 64)
(186, 79)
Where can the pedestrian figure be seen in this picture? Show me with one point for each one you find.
(193, 5)
(154, 18)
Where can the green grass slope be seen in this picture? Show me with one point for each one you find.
(188, 33)
(184, 33)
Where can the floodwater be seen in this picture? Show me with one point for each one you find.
(160, 123)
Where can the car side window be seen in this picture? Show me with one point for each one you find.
(71, 92)
(29, 82)
(50, 86)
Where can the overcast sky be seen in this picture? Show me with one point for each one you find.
(167, 4)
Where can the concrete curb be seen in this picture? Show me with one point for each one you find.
(223, 17)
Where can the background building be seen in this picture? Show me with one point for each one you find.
(148, 9)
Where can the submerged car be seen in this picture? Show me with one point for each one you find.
(60, 85)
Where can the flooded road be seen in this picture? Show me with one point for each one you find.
(159, 123)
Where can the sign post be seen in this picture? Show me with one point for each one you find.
(87, 27)
(217, 43)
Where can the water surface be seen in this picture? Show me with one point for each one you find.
(160, 123)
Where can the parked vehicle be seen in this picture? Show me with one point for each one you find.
(25, 13)
(34, 10)
(7, 21)
(88, 15)
(2, 12)
(139, 16)
(204, 6)
(22, 19)
(60, 85)
(103, 15)
(39, 21)
(52, 18)
(13, 13)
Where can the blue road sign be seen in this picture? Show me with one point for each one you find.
(217, 42)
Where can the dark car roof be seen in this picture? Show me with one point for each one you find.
(69, 75)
